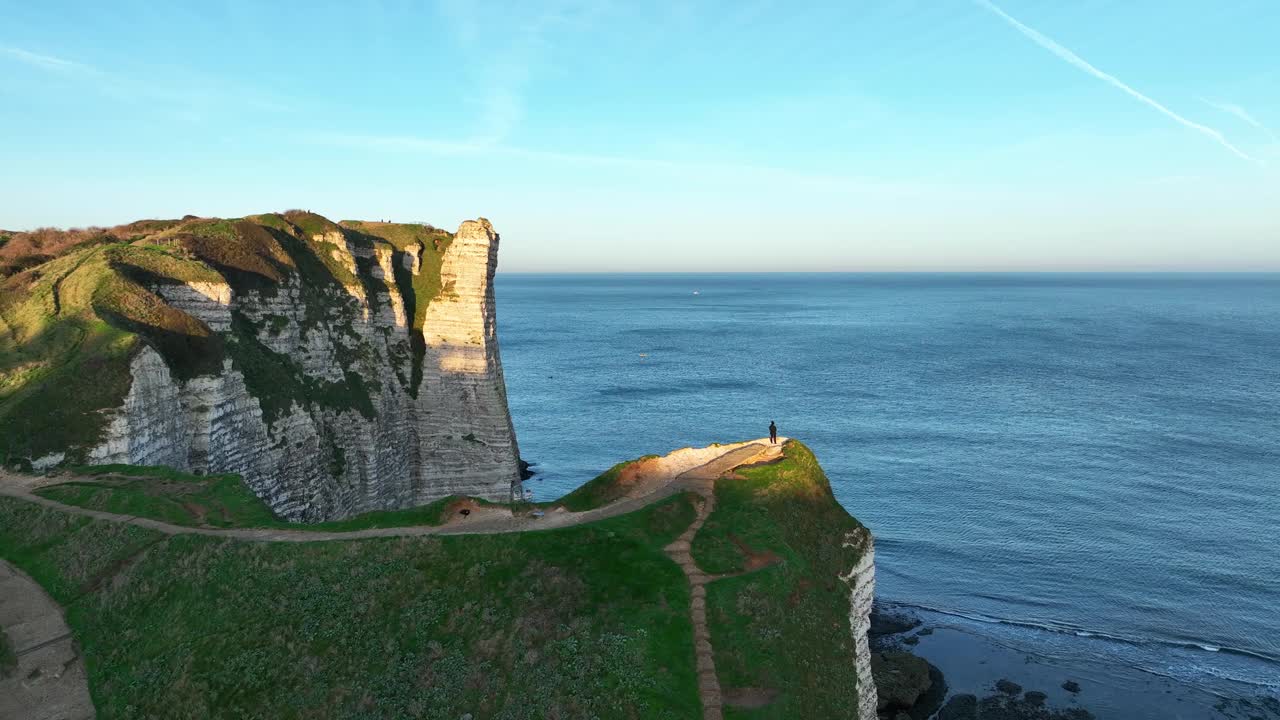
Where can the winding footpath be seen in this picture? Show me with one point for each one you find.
(702, 480)
(67, 695)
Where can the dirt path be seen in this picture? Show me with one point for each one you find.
(49, 682)
(686, 470)
(56, 287)
(681, 476)
(702, 480)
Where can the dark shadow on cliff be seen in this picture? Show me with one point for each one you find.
(417, 344)
(188, 346)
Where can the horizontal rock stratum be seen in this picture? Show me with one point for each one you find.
(338, 367)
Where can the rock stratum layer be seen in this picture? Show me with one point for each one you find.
(338, 367)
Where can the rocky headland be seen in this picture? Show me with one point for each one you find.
(314, 413)
(707, 583)
(339, 368)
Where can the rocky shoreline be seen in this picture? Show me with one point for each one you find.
(931, 667)
(911, 688)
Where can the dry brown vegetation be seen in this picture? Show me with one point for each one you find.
(20, 250)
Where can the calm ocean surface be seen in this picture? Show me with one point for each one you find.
(1087, 466)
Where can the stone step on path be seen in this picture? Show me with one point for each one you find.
(679, 551)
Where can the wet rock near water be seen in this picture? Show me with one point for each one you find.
(1008, 705)
(891, 622)
(1008, 687)
(909, 688)
(901, 678)
(526, 469)
(931, 701)
(1258, 708)
(960, 707)
(907, 685)
(889, 628)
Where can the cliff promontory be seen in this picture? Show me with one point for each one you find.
(709, 583)
(338, 367)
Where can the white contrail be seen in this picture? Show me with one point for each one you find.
(1240, 112)
(1082, 64)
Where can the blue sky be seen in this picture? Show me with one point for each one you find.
(853, 135)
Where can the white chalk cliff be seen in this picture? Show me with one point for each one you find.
(435, 421)
(861, 580)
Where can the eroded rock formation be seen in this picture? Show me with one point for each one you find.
(356, 394)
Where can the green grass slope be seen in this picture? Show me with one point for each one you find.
(599, 491)
(583, 622)
(218, 501)
(783, 626)
(163, 494)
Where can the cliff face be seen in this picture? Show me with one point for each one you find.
(340, 368)
(861, 580)
(460, 337)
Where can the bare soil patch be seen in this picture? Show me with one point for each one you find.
(754, 559)
(749, 697)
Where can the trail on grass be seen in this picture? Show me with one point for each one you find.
(702, 480)
(688, 470)
(485, 520)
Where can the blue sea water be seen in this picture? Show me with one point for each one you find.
(1086, 465)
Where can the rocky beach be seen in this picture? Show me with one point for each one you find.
(928, 666)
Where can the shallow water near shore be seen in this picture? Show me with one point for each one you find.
(971, 662)
(1079, 467)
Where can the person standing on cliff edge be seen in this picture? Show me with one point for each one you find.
(773, 433)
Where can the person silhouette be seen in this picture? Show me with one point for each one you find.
(773, 432)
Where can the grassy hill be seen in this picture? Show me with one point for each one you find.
(588, 621)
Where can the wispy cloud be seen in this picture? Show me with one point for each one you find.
(500, 75)
(1242, 114)
(47, 62)
(503, 74)
(485, 147)
(1080, 63)
(188, 96)
(726, 172)
(405, 143)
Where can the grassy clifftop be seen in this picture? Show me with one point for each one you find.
(214, 501)
(586, 621)
(76, 306)
(779, 618)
